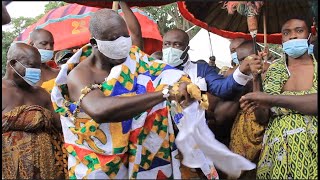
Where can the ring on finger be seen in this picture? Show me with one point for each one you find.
(259, 71)
(250, 57)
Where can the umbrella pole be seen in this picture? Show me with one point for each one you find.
(253, 29)
(115, 5)
(265, 33)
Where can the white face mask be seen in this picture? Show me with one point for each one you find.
(117, 49)
(172, 56)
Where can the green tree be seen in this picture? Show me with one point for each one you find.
(19, 24)
(169, 17)
(54, 4)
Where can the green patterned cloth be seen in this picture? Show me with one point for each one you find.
(290, 146)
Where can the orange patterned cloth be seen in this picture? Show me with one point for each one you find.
(246, 136)
(27, 149)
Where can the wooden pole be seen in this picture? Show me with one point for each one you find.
(115, 5)
(265, 32)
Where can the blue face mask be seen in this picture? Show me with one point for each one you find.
(46, 55)
(234, 57)
(295, 47)
(310, 49)
(32, 75)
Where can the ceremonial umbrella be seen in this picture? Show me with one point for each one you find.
(108, 4)
(214, 17)
(70, 27)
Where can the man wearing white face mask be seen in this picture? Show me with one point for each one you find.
(44, 42)
(289, 107)
(113, 91)
(175, 53)
(29, 123)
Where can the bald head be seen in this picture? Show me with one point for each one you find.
(235, 43)
(42, 39)
(22, 51)
(107, 24)
(245, 49)
(176, 38)
(21, 56)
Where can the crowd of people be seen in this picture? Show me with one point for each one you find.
(109, 110)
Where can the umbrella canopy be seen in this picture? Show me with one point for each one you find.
(108, 4)
(213, 17)
(70, 27)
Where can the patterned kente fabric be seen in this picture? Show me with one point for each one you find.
(27, 150)
(61, 154)
(290, 145)
(246, 136)
(48, 85)
(246, 139)
(140, 147)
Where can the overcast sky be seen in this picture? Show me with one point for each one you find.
(24, 8)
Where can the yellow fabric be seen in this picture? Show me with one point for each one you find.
(246, 136)
(48, 85)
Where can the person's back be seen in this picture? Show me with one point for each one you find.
(28, 121)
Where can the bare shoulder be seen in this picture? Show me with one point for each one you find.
(10, 94)
(43, 95)
(78, 78)
(6, 93)
(80, 73)
(7, 87)
(41, 92)
(4, 84)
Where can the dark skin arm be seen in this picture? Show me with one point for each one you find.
(226, 111)
(231, 107)
(305, 104)
(104, 109)
(48, 105)
(262, 114)
(133, 25)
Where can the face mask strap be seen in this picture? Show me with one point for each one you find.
(309, 38)
(15, 69)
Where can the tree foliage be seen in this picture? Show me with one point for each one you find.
(169, 17)
(19, 24)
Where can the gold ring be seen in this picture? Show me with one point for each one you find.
(259, 71)
(250, 57)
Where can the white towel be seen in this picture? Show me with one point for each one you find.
(197, 144)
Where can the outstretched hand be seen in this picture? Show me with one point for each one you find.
(253, 100)
(252, 64)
